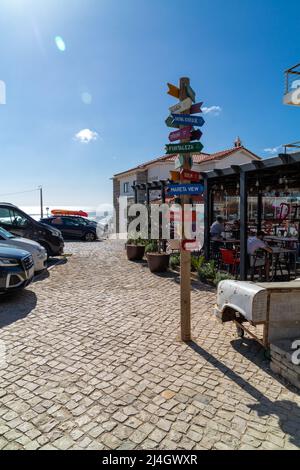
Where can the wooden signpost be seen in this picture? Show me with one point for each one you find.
(187, 120)
(185, 162)
(184, 133)
(190, 175)
(182, 106)
(185, 189)
(188, 147)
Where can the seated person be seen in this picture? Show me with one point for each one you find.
(217, 229)
(254, 244)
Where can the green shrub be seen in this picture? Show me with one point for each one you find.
(221, 277)
(175, 260)
(152, 247)
(207, 271)
(136, 241)
(197, 262)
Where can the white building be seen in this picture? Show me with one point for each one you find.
(159, 169)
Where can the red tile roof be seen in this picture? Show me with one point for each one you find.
(197, 158)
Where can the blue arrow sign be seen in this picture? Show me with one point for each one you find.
(183, 189)
(187, 119)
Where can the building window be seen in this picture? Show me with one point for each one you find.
(126, 187)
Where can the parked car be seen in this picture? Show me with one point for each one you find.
(37, 251)
(14, 220)
(73, 227)
(16, 269)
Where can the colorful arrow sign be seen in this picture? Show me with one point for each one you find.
(174, 175)
(169, 122)
(184, 189)
(196, 135)
(186, 119)
(182, 106)
(182, 134)
(183, 160)
(189, 147)
(173, 90)
(196, 108)
(190, 92)
(189, 175)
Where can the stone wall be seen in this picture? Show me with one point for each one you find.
(282, 356)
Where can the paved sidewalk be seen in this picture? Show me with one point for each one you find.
(93, 362)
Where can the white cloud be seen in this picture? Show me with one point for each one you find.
(273, 150)
(85, 136)
(213, 110)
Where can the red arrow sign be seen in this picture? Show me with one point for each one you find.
(181, 134)
(196, 135)
(189, 175)
(196, 108)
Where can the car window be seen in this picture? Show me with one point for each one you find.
(4, 234)
(12, 218)
(71, 222)
(57, 221)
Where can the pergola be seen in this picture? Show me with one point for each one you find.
(251, 178)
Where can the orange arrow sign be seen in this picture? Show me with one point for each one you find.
(175, 175)
(173, 90)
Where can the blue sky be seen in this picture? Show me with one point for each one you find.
(111, 79)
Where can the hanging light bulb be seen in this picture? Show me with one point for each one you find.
(222, 187)
(257, 183)
(280, 181)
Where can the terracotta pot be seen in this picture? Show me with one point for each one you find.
(135, 252)
(158, 262)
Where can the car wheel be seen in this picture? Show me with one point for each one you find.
(46, 248)
(89, 237)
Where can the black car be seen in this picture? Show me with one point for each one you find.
(73, 227)
(14, 220)
(16, 269)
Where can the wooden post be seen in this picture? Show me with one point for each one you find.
(243, 226)
(185, 256)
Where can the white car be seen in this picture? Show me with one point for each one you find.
(37, 251)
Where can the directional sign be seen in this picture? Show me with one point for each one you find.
(187, 120)
(196, 108)
(182, 106)
(173, 90)
(183, 160)
(182, 134)
(189, 175)
(169, 122)
(184, 189)
(174, 175)
(190, 147)
(196, 135)
(190, 92)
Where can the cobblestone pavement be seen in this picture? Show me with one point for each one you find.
(93, 362)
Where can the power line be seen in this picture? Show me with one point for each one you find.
(20, 192)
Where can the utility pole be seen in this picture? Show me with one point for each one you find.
(41, 201)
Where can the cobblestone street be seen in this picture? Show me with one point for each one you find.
(94, 362)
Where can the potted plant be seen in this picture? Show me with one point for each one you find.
(135, 249)
(158, 260)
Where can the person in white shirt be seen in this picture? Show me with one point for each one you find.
(217, 228)
(254, 244)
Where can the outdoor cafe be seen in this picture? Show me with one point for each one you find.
(261, 196)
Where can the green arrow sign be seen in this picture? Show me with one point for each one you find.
(190, 147)
(169, 122)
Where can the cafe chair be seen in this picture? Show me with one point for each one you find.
(229, 259)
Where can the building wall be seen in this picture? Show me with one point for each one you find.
(116, 195)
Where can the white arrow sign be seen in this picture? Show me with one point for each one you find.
(182, 106)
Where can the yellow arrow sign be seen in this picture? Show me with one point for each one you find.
(173, 90)
(175, 175)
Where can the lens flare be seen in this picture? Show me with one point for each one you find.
(60, 43)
